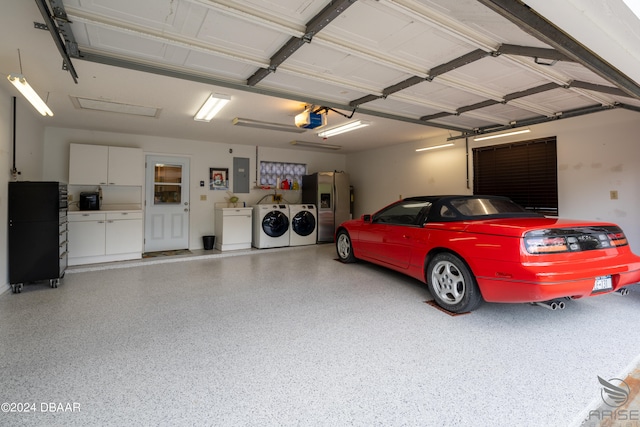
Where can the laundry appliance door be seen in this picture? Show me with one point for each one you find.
(303, 223)
(275, 224)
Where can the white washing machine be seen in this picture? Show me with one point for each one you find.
(304, 225)
(271, 226)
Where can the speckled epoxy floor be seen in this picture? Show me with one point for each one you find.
(291, 337)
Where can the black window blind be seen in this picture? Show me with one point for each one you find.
(525, 171)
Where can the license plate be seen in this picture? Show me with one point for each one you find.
(602, 283)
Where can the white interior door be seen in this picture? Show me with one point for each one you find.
(166, 203)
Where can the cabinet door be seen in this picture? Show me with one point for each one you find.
(126, 166)
(86, 238)
(236, 229)
(88, 164)
(124, 236)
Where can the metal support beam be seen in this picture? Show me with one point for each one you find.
(525, 18)
(457, 63)
(328, 14)
(316, 24)
(363, 100)
(55, 33)
(533, 52)
(532, 91)
(435, 116)
(537, 120)
(477, 106)
(411, 81)
(598, 88)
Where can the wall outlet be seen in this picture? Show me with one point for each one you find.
(613, 194)
(203, 197)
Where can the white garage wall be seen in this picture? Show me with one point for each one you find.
(202, 154)
(597, 153)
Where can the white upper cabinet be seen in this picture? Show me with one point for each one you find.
(103, 165)
(88, 164)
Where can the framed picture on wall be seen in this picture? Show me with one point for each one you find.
(218, 179)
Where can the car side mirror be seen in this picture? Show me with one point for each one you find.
(366, 218)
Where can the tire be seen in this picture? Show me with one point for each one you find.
(452, 284)
(344, 248)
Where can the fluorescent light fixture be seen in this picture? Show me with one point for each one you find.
(500, 135)
(316, 145)
(347, 127)
(20, 82)
(434, 147)
(266, 125)
(211, 107)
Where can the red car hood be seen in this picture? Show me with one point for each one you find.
(515, 227)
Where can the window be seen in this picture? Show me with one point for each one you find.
(403, 213)
(526, 172)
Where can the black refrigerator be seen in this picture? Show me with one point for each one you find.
(37, 233)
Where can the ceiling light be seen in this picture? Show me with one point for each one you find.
(211, 107)
(114, 107)
(266, 125)
(435, 147)
(347, 127)
(20, 82)
(316, 145)
(500, 135)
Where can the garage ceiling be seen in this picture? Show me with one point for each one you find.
(414, 69)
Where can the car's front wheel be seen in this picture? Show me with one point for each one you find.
(344, 247)
(452, 284)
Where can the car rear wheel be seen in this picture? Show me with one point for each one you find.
(344, 247)
(451, 283)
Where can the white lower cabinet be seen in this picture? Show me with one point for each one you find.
(104, 237)
(233, 228)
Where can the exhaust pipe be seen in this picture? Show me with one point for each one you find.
(551, 305)
(622, 292)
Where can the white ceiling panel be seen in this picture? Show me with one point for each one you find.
(560, 100)
(235, 34)
(498, 76)
(127, 44)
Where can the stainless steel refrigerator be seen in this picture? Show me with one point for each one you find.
(330, 192)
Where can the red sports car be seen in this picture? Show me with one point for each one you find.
(473, 248)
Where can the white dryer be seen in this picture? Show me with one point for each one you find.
(270, 226)
(304, 225)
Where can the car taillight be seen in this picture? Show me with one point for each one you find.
(573, 239)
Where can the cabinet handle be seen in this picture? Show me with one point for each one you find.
(100, 222)
(110, 221)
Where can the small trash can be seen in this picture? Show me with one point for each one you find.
(208, 242)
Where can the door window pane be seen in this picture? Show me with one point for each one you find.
(167, 194)
(167, 188)
(168, 173)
